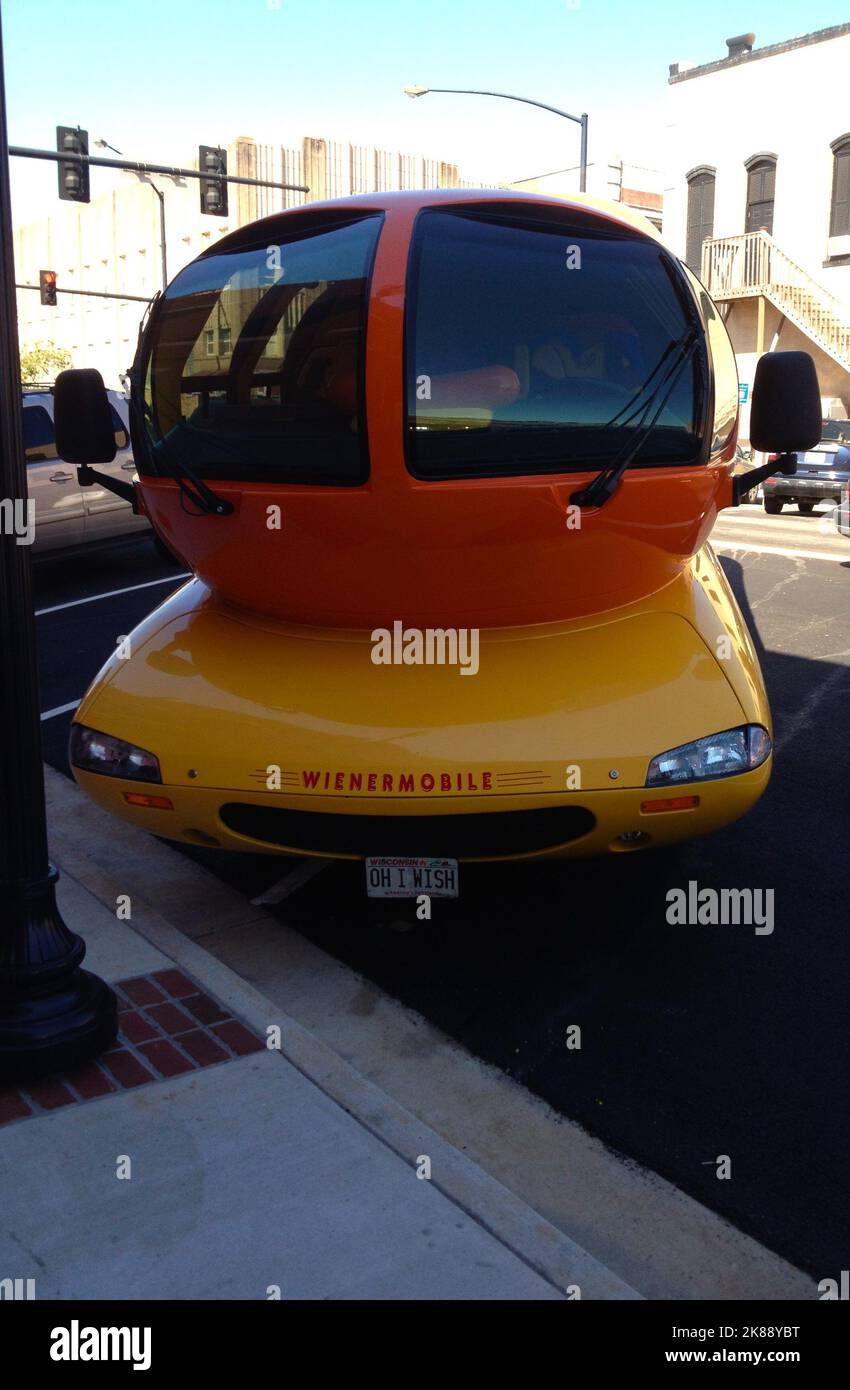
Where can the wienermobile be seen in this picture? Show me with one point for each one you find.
(402, 439)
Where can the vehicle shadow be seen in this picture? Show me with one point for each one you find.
(696, 1040)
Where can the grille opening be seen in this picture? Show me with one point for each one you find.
(469, 835)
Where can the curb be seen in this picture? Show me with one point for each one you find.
(509, 1219)
(658, 1242)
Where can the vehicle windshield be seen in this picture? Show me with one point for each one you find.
(533, 347)
(835, 431)
(255, 360)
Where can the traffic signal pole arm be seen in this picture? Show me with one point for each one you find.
(90, 294)
(137, 167)
(73, 160)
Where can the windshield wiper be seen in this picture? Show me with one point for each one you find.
(202, 496)
(633, 404)
(605, 484)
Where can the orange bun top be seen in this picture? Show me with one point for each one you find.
(453, 545)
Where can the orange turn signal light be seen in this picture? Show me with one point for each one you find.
(155, 803)
(670, 803)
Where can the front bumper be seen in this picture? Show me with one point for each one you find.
(523, 826)
(796, 489)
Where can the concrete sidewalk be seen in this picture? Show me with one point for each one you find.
(194, 1161)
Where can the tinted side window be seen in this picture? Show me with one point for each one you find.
(121, 439)
(724, 367)
(39, 439)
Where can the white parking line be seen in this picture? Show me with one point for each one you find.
(804, 527)
(60, 709)
(111, 593)
(291, 883)
(779, 550)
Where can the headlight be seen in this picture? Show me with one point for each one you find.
(112, 757)
(717, 755)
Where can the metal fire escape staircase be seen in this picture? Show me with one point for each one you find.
(752, 265)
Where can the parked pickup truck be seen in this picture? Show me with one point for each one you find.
(821, 475)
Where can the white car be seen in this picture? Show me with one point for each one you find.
(65, 513)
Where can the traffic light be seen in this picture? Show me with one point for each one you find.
(73, 176)
(47, 286)
(213, 161)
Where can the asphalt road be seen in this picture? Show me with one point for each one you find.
(697, 1042)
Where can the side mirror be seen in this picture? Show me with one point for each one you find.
(786, 411)
(785, 416)
(85, 433)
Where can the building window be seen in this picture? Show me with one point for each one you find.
(700, 214)
(224, 341)
(209, 343)
(761, 182)
(839, 218)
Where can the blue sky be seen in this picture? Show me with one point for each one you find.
(156, 83)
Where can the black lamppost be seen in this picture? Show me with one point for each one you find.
(470, 92)
(53, 1015)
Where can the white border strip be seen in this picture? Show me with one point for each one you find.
(111, 593)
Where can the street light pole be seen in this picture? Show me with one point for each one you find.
(583, 154)
(105, 145)
(159, 193)
(527, 101)
(53, 1015)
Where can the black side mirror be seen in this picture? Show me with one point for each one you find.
(785, 416)
(786, 411)
(82, 418)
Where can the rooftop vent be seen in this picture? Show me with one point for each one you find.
(741, 44)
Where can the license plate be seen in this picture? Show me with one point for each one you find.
(387, 877)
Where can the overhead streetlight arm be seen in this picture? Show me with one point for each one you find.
(527, 101)
(473, 92)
